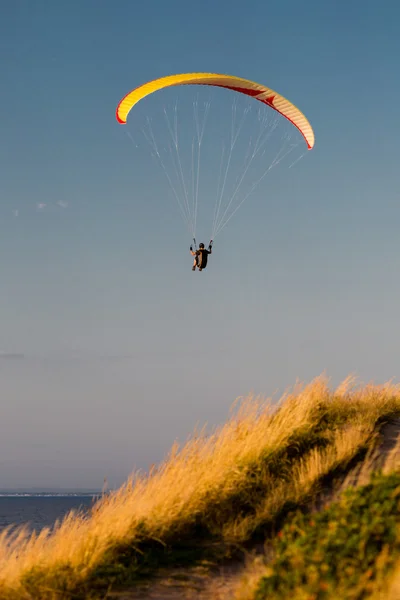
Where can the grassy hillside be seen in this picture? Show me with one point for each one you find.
(349, 549)
(217, 494)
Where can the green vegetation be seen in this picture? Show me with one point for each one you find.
(345, 551)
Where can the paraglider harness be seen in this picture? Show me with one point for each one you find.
(201, 254)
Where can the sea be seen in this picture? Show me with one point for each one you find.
(40, 510)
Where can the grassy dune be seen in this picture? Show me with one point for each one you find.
(213, 495)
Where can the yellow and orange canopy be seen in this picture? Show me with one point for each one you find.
(237, 84)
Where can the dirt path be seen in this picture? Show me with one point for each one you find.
(195, 583)
(390, 433)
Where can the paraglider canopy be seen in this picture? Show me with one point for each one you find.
(237, 84)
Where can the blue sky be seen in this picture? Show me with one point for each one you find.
(125, 348)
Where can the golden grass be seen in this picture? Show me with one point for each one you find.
(392, 591)
(231, 482)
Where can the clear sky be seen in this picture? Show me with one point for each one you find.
(125, 349)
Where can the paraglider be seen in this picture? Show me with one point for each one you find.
(256, 147)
